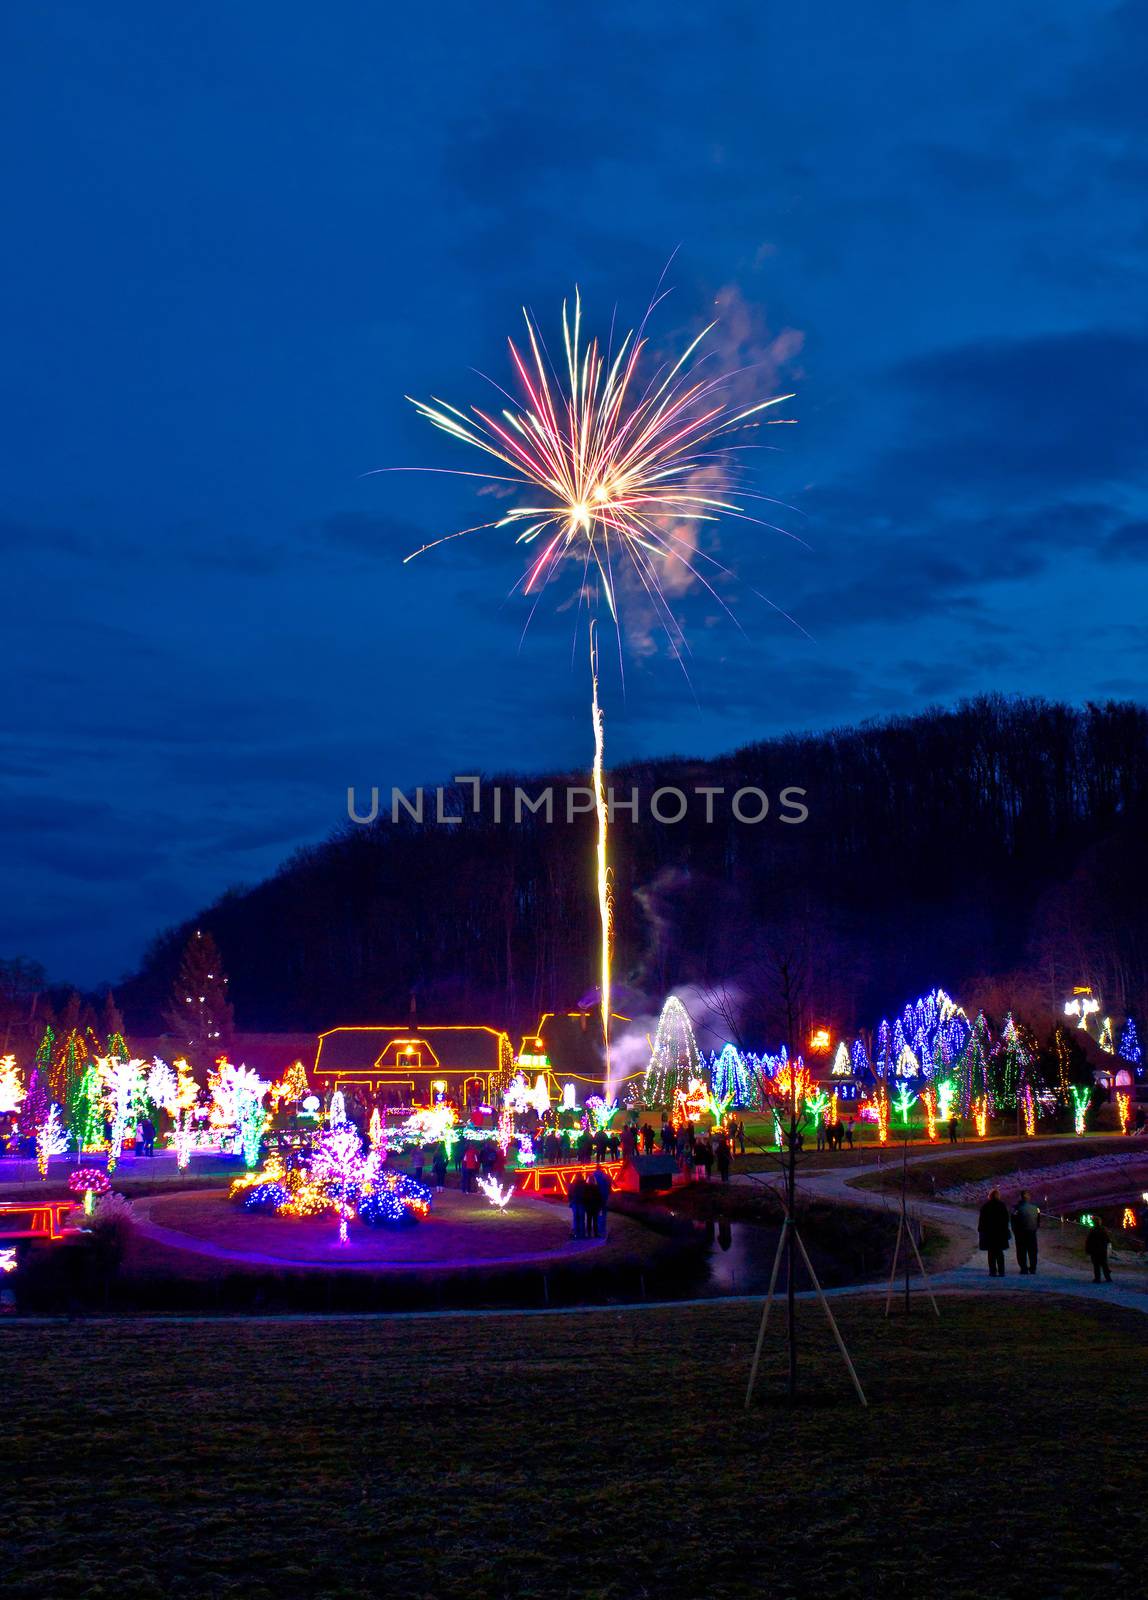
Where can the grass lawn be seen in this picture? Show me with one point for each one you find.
(979, 1163)
(602, 1454)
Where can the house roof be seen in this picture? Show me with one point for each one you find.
(449, 1049)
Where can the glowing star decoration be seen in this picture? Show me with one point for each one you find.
(929, 1101)
(494, 1192)
(1080, 1099)
(1028, 1110)
(1124, 1110)
(52, 1139)
(842, 1064)
(1082, 1006)
(981, 1115)
(11, 1089)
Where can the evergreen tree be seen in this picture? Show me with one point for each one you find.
(199, 1011)
(68, 1064)
(1130, 1044)
(111, 1021)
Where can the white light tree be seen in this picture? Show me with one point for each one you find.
(52, 1139)
(11, 1089)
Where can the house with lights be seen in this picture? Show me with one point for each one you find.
(567, 1047)
(413, 1065)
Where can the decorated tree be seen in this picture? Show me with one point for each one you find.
(69, 1064)
(52, 1139)
(199, 1010)
(11, 1089)
(1015, 1062)
(1130, 1044)
(34, 1111)
(675, 1060)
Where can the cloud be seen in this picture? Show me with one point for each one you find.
(1057, 411)
(1129, 542)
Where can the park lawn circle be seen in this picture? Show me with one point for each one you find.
(461, 1231)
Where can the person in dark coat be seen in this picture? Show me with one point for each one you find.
(592, 1201)
(576, 1200)
(600, 1180)
(993, 1232)
(439, 1167)
(954, 1129)
(721, 1155)
(1096, 1242)
(1025, 1222)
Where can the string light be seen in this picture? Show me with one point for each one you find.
(981, 1115)
(1028, 1106)
(1124, 1110)
(52, 1139)
(929, 1100)
(1080, 1099)
(494, 1192)
(674, 1061)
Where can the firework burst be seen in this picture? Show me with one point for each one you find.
(620, 467)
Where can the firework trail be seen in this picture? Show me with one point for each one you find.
(605, 908)
(614, 464)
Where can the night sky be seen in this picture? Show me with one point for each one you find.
(238, 235)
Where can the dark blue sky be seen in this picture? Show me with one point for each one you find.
(237, 235)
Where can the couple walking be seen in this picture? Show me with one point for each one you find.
(993, 1232)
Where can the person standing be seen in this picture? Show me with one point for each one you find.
(954, 1128)
(576, 1200)
(1096, 1244)
(821, 1133)
(592, 1202)
(849, 1133)
(1025, 1222)
(993, 1232)
(469, 1168)
(439, 1168)
(601, 1181)
(722, 1157)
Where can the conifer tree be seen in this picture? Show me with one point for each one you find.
(200, 1012)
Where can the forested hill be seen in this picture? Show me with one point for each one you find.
(1000, 841)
